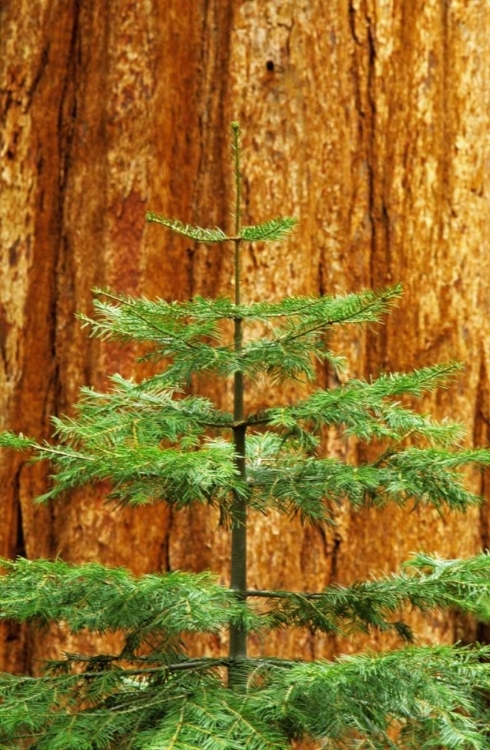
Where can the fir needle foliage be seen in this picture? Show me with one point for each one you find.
(154, 442)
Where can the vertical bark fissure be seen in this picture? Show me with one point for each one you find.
(365, 96)
(67, 119)
(377, 208)
(40, 73)
(371, 145)
(352, 22)
(217, 25)
(448, 110)
(166, 560)
(19, 542)
(481, 437)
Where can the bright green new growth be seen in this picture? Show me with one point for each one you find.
(155, 443)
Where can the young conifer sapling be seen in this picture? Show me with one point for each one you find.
(155, 442)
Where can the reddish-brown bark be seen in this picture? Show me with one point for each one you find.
(368, 121)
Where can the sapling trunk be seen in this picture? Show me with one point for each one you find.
(238, 636)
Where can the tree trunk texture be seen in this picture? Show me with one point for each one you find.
(368, 120)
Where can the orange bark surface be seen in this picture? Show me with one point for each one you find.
(366, 120)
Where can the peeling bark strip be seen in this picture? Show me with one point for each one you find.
(367, 120)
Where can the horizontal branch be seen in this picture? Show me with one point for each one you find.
(194, 664)
(264, 593)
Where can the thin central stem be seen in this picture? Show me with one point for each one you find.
(238, 636)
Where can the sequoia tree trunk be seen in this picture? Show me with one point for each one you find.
(367, 120)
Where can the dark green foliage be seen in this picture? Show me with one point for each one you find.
(153, 442)
(101, 599)
(427, 695)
